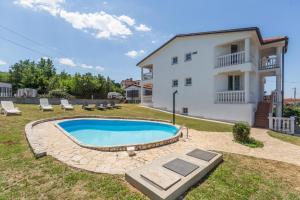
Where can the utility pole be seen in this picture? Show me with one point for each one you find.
(295, 93)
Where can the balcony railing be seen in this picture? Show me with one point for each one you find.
(148, 76)
(282, 124)
(275, 97)
(233, 97)
(230, 59)
(268, 63)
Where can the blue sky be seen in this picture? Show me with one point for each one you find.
(110, 37)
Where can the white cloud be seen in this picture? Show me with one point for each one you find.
(86, 66)
(127, 20)
(153, 41)
(104, 3)
(67, 62)
(99, 68)
(2, 62)
(99, 24)
(134, 53)
(143, 28)
(71, 63)
(51, 6)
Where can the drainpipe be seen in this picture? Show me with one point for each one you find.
(174, 106)
(282, 78)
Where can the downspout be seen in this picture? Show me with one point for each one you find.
(282, 79)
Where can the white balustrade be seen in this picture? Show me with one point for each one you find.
(268, 63)
(148, 76)
(230, 59)
(282, 124)
(230, 97)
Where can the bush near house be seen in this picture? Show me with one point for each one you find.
(289, 111)
(241, 132)
(57, 94)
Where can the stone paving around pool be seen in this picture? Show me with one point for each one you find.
(58, 145)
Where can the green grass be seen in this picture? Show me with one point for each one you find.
(252, 143)
(23, 177)
(285, 137)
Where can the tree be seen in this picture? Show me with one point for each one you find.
(42, 76)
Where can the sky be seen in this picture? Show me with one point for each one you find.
(110, 37)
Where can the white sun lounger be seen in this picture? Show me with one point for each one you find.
(66, 105)
(44, 105)
(9, 108)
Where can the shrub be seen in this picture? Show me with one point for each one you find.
(241, 132)
(58, 94)
(289, 111)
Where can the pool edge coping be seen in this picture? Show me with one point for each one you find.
(39, 150)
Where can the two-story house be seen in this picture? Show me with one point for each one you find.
(218, 75)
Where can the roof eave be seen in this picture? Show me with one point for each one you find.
(218, 32)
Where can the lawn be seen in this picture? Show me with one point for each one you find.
(285, 137)
(23, 177)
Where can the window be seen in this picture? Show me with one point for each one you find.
(132, 93)
(174, 60)
(185, 110)
(188, 56)
(234, 48)
(175, 83)
(188, 81)
(147, 92)
(234, 82)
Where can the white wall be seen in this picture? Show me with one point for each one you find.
(200, 97)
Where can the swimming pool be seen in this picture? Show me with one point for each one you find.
(116, 134)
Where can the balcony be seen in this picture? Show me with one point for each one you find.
(230, 59)
(231, 97)
(267, 63)
(147, 76)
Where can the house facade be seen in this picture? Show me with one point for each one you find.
(217, 75)
(26, 92)
(134, 93)
(5, 89)
(128, 82)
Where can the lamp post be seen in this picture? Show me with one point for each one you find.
(175, 92)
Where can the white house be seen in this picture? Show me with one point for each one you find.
(5, 89)
(218, 75)
(133, 93)
(26, 92)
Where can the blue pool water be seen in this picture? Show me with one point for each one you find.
(97, 132)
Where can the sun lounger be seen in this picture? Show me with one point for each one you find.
(66, 105)
(108, 105)
(169, 177)
(114, 105)
(87, 106)
(44, 105)
(9, 108)
(100, 106)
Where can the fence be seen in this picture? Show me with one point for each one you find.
(282, 124)
(56, 101)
